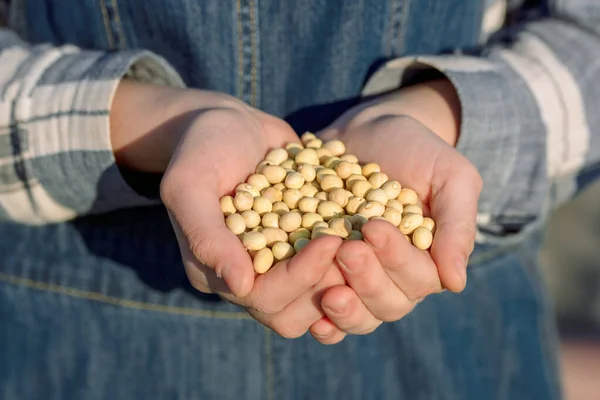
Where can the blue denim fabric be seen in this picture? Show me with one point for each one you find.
(100, 307)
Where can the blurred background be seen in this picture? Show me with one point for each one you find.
(570, 258)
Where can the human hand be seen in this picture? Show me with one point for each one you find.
(386, 276)
(212, 142)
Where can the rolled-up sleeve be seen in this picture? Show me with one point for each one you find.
(529, 111)
(56, 159)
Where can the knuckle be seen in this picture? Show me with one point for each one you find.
(369, 329)
(286, 329)
(265, 307)
(397, 313)
(422, 291)
(201, 246)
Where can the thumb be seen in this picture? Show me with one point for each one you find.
(454, 197)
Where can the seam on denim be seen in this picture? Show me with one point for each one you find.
(254, 53)
(102, 298)
(107, 29)
(390, 30)
(269, 377)
(238, 7)
(119, 25)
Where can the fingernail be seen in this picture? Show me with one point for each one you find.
(340, 306)
(461, 269)
(377, 240)
(324, 333)
(350, 262)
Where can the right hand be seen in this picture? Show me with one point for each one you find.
(219, 146)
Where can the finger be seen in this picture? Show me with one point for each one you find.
(371, 282)
(326, 332)
(347, 312)
(411, 269)
(290, 279)
(454, 197)
(297, 317)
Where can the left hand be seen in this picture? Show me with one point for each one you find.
(386, 276)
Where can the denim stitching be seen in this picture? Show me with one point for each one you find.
(102, 298)
(118, 25)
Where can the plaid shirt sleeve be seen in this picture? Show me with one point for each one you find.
(530, 98)
(56, 161)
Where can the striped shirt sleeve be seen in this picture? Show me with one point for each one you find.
(530, 120)
(56, 160)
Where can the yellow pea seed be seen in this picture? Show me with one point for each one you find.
(236, 224)
(272, 194)
(392, 189)
(274, 173)
(293, 148)
(323, 172)
(307, 136)
(308, 190)
(291, 197)
(307, 171)
(321, 196)
(316, 185)
(251, 218)
(355, 235)
(300, 233)
(289, 164)
(360, 188)
(320, 225)
(393, 203)
(274, 235)
(323, 232)
(344, 169)
(262, 205)
(243, 201)
(357, 221)
(280, 185)
(378, 179)
(227, 205)
(352, 179)
(258, 181)
(294, 180)
(308, 204)
(261, 165)
(412, 209)
(370, 168)
(330, 182)
(371, 209)
(300, 244)
(393, 215)
(280, 208)
(291, 221)
(351, 158)
(244, 187)
(377, 195)
(422, 238)
(332, 162)
(339, 196)
(314, 143)
(263, 260)
(282, 251)
(356, 169)
(353, 204)
(310, 219)
(254, 241)
(336, 147)
(410, 222)
(307, 156)
(329, 210)
(407, 196)
(277, 156)
(342, 226)
(271, 219)
(323, 154)
(428, 223)
(257, 229)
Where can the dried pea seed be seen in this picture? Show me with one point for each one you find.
(336, 147)
(280, 208)
(323, 154)
(293, 148)
(329, 210)
(410, 222)
(254, 241)
(330, 182)
(291, 197)
(393, 203)
(378, 179)
(289, 164)
(323, 172)
(262, 205)
(291, 221)
(300, 233)
(308, 190)
(294, 180)
(263, 260)
(428, 223)
(308, 204)
(274, 173)
(323, 232)
(244, 187)
(307, 171)
(351, 158)
(307, 136)
(412, 209)
(274, 195)
(280, 186)
(258, 181)
(310, 219)
(300, 244)
(320, 225)
(342, 226)
(352, 179)
(332, 162)
(360, 188)
(274, 235)
(344, 169)
(393, 215)
(371, 209)
(243, 201)
(353, 204)
(321, 196)
(422, 238)
(227, 205)
(377, 195)
(257, 229)
(357, 221)
(355, 235)
(370, 168)
(314, 143)
(339, 196)
(277, 156)
(307, 156)
(261, 165)
(236, 224)
(271, 219)
(392, 189)
(251, 218)
(407, 196)
(282, 251)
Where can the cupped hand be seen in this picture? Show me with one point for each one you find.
(386, 276)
